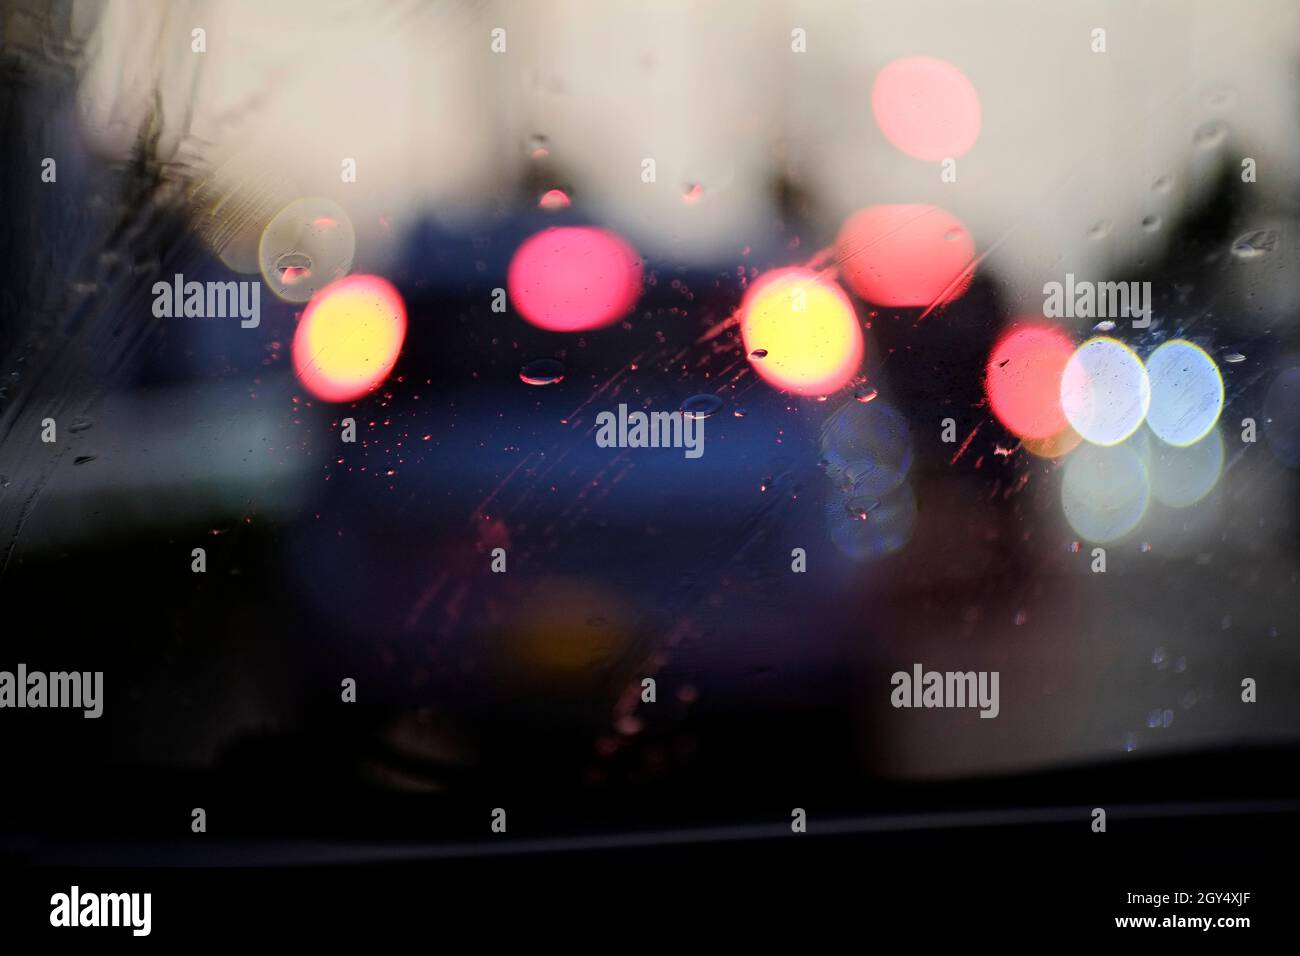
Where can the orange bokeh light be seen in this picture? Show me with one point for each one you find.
(1058, 446)
(807, 329)
(349, 337)
(906, 255)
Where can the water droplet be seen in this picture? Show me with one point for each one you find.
(293, 267)
(864, 394)
(1255, 245)
(758, 354)
(1100, 229)
(1163, 183)
(1145, 547)
(82, 459)
(739, 412)
(701, 406)
(693, 194)
(952, 235)
(1211, 134)
(1150, 223)
(4, 481)
(307, 245)
(554, 200)
(1106, 325)
(537, 147)
(80, 425)
(867, 446)
(1219, 97)
(542, 372)
(1232, 358)
(860, 506)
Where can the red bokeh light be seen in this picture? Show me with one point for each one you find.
(906, 255)
(574, 278)
(1023, 380)
(926, 107)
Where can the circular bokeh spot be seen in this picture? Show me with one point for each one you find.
(867, 527)
(574, 279)
(1186, 393)
(806, 328)
(1105, 491)
(306, 246)
(906, 255)
(349, 337)
(1023, 380)
(1105, 392)
(1182, 475)
(866, 448)
(926, 107)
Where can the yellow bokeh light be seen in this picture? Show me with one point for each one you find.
(804, 328)
(349, 338)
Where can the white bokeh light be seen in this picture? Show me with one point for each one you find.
(1105, 392)
(1186, 393)
(1105, 491)
(1182, 475)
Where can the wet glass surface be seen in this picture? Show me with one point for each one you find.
(374, 337)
